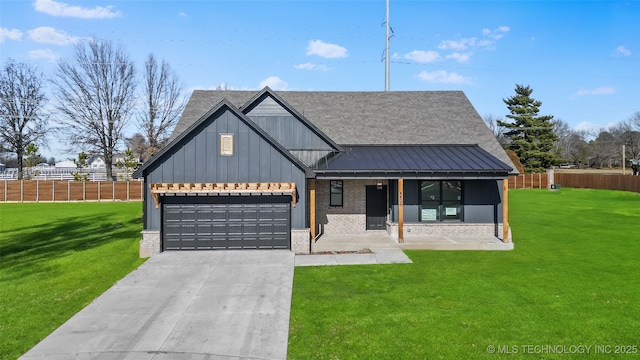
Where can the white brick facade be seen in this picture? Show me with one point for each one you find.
(445, 229)
(300, 241)
(150, 243)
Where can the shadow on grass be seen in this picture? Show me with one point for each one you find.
(29, 250)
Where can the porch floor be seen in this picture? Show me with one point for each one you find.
(377, 241)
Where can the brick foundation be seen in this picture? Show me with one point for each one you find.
(446, 229)
(150, 243)
(301, 241)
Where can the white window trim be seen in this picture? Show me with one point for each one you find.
(226, 144)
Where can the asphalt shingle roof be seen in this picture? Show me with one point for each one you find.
(366, 118)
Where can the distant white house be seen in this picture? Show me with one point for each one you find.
(66, 165)
(117, 158)
(97, 163)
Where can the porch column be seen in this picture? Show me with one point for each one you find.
(312, 209)
(400, 210)
(505, 210)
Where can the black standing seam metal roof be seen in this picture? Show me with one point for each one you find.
(413, 158)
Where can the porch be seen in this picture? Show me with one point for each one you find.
(380, 241)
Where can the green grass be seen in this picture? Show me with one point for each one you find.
(573, 279)
(55, 258)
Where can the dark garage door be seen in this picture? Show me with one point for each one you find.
(226, 222)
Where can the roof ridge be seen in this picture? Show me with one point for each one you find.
(408, 145)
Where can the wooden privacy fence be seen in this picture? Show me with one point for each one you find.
(576, 180)
(529, 181)
(52, 190)
(599, 181)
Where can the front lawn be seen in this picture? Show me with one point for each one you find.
(573, 281)
(55, 258)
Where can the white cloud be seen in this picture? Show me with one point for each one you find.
(444, 77)
(497, 33)
(46, 54)
(182, 13)
(622, 51)
(57, 8)
(312, 66)
(423, 57)
(593, 127)
(11, 34)
(326, 50)
(587, 125)
(461, 44)
(485, 43)
(488, 40)
(274, 82)
(603, 90)
(459, 57)
(49, 35)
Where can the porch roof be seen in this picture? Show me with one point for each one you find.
(413, 160)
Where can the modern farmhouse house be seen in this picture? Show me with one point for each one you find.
(278, 170)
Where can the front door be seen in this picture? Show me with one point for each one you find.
(376, 207)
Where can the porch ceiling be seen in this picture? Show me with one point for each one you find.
(413, 160)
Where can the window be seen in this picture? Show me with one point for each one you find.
(335, 193)
(226, 144)
(441, 200)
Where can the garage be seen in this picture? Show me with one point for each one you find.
(226, 222)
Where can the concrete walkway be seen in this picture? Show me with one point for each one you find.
(379, 240)
(483, 243)
(185, 305)
(380, 256)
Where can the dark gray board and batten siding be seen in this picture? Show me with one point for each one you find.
(196, 158)
(293, 134)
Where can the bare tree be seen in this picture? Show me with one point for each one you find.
(577, 149)
(497, 130)
(96, 94)
(627, 135)
(22, 121)
(563, 131)
(163, 104)
(138, 145)
(603, 149)
(635, 120)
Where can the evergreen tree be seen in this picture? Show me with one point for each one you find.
(129, 164)
(81, 163)
(531, 136)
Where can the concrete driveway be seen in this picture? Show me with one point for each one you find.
(185, 305)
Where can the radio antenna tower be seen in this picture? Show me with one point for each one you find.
(389, 34)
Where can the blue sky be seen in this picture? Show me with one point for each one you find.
(582, 58)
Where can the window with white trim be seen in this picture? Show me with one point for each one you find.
(226, 144)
